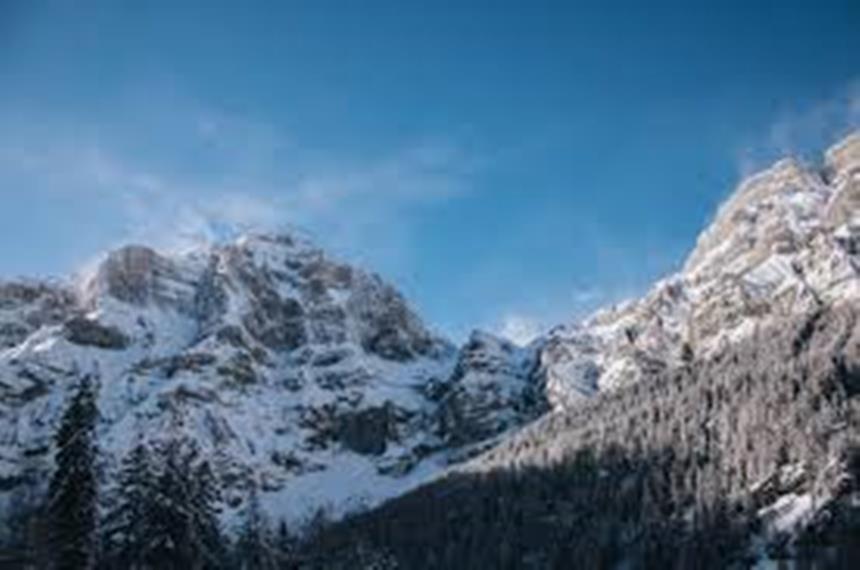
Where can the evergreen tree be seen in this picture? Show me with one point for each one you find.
(126, 525)
(205, 498)
(255, 550)
(72, 493)
(182, 527)
(286, 544)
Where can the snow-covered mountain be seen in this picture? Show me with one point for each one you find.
(310, 378)
(712, 423)
(316, 382)
(787, 242)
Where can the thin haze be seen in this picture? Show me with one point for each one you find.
(508, 165)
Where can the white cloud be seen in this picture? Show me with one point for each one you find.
(523, 325)
(238, 174)
(840, 113)
(794, 131)
(420, 174)
(519, 329)
(585, 298)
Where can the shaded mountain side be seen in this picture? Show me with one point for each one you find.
(26, 306)
(492, 389)
(753, 454)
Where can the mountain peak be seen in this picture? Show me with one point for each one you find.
(843, 158)
(786, 242)
(139, 275)
(286, 240)
(292, 367)
(767, 211)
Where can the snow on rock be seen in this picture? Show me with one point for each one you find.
(305, 375)
(25, 306)
(788, 512)
(491, 390)
(786, 242)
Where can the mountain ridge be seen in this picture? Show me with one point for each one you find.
(315, 380)
(719, 451)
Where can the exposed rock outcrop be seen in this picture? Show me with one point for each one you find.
(26, 306)
(491, 390)
(88, 332)
(785, 243)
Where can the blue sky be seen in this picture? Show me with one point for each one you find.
(504, 163)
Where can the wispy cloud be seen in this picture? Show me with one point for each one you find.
(236, 174)
(519, 329)
(798, 131)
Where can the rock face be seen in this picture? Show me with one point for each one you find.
(491, 391)
(785, 243)
(27, 306)
(87, 332)
(293, 370)
(367, 432)
(139, 276)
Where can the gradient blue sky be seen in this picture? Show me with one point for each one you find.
(501, 162)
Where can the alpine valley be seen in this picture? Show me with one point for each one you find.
(713, 422)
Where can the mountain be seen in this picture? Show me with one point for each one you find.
(304, 376)
(713, 423)
(786, 242)
(716, 415)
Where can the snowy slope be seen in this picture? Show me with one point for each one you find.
(786, 242)
(292, 370)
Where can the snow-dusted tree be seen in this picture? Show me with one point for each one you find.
(127, 522)
(286, 544)
(182, 526)
(255, 549)
(72, 493)
(205, 498)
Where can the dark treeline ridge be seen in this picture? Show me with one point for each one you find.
(671, 472)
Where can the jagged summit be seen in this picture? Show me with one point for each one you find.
(297, 371)
(786, 242)
(843, 158)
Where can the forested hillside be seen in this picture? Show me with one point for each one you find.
(753, 453)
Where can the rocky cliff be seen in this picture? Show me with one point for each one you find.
(310, 378)
(785, 243)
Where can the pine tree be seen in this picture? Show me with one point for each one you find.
(255, 550)
(205, 497)
(126, 524)
(182, 529)
(286, 544)
(72, 493)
